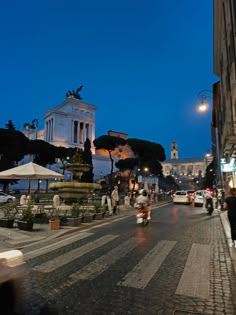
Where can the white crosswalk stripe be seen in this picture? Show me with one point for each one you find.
(104, 262)
(49, 248)
(195, 280)
(65, 259)
(143, 272)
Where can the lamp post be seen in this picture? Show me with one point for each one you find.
(202, 96)
(204, 107)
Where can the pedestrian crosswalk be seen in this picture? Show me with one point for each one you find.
(194, 281)
(148, 266)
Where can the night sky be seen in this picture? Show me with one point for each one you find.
(142, 63)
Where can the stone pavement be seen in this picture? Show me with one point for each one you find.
(62, 275)
(189, 268)
(15, 238)
(19, 239)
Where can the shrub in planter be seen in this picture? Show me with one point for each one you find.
(87, 218)
(9, 212)
(76, 215)
(100, 211)
(27, 221)
(75, 210)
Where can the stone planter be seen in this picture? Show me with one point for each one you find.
(54, 224)
(106, 214)
(25, 225)
(74, 221)
(6, 223)
(87, 218)
(99, 216)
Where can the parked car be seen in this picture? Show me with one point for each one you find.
(181, 196)
(6, 198)
(198, 198)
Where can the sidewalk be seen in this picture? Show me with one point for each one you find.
(225, 223)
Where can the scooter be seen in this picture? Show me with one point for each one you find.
(141, 216)
(209, 205)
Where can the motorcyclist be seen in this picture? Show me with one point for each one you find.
(143, 199)
(209, 203)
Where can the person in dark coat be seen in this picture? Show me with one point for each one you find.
(230, 205)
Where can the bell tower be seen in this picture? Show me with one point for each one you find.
(174, 155)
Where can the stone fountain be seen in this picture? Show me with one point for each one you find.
(75, 189)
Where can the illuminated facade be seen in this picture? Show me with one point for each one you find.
(70, 124)
(183, 167)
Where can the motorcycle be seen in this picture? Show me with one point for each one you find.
(209, 205)
(141, 216)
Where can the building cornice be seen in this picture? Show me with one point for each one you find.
(73, 102)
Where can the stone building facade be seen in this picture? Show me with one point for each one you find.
(183, 167)
(224, 105)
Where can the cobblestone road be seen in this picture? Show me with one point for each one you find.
(179, 264)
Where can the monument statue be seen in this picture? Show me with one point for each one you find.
(75, 94)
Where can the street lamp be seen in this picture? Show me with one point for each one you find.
(202, 96)
(204, 107)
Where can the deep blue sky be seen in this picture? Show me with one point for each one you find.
(142, 63)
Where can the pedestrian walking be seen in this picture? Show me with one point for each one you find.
(127, 201)
(230, 205)
(115, 199)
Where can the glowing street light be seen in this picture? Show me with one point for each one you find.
(203, 106)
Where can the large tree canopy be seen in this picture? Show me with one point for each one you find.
(13, 146)
(129, 164)
(109, 143)
(44, 153)
(149, 154)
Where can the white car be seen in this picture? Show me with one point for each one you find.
(198, 198)
(6, 198)
(181, 196)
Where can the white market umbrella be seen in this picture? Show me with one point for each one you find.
(30, 171)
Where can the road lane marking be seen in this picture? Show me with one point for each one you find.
(52, 247)
(143, 272)
(66, 258)
(195, 279)
(102, 263)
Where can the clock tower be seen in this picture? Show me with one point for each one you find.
(174, 155)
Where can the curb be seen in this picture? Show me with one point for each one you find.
(84, 227)
(226, 227)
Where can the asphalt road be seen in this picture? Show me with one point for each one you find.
(179, 264)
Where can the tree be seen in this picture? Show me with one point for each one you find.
(13, 146)
(109, 143)
(10, 125)
(87, 177)
(149, 154)
(127, 164)
(209, 179)
(44, 153)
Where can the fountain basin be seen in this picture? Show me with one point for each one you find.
(74, 190)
